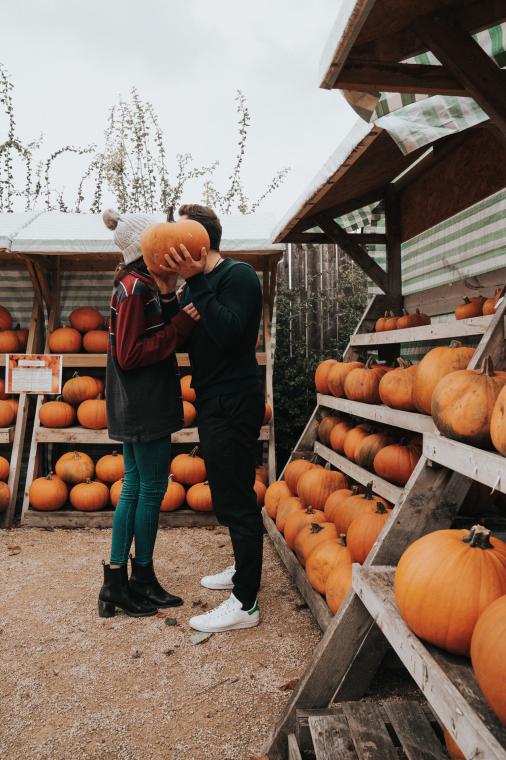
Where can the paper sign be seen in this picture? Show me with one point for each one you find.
(33, 373)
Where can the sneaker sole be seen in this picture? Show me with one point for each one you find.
(235, 627)
(223, 587)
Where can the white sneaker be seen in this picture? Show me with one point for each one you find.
(229, 616)
(220, 581)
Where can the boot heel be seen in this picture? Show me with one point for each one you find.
(106, 609)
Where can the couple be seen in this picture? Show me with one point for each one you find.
(216, 317)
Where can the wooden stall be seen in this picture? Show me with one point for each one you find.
(75, 258)
(432, 231)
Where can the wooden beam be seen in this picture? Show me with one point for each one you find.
(346, 207)
(366, 76)
(320, 238)
(393, 234)
(468, 62)
(355, 252)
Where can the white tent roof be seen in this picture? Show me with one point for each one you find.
(55, 232)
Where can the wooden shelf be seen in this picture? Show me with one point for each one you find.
(418, 423)
(381, 487)
(7, 434)
(446, 681)
(314, 600)
(83, 435)
(72, 518)
(100, 360)
(438, 331)
(487, 467)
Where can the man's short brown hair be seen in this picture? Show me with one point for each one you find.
(207, 218)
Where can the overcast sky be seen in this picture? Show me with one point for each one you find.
(70, 60)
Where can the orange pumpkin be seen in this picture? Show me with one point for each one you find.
(364, 530)
(315, 486)
(498, 423)
(188, 469)
(57, 414)
(158, 239)
(47, 494)
(363, 384)
(354, 438)
(174, 496)
(5, 319)
(369, 446)
(5, 496)
(285, 509)
(14, 402)
(115, 492)
(338, 374)
(189, 414)
(310, 537)
(86, 319)
(260, 489)
(92, 414)
(187, 392)
(335, 500)
(275, 493)
(391, 321)
(323, 559)
(490, 303)
(325, 428)
(8, 342)
(445, 580)
(294, 470)
(452, 747)
(338, 435)
(380, 323)
(354, 506)
(396, 387)
(198, 497)
(75, 467)
(434, 366)
(471, 307)
(463, 402)
(297, 520)
(80, 388)
(90, 496)
(267, 414)
(321, 378)
(7, 414)
(488, 655)
(338, 584)
(396, 462)
(110, 467)
(4, 469)
(416, 319)
(22, 336)
(65, 340)
(96, 342)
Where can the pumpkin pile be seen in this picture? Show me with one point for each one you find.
(389, 321)
(82, 399)
(5, 493)
(87, 332)
(450, 587)
(13, 339)
(477, 306)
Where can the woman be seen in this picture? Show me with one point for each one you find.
(143, 408)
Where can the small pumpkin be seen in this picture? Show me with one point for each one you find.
(369, 446)
(188, 469)
(297, 520)
(322, 561)
(433, 367)
(65, 340)
(75, 467)
(338, 584)
(189, 414)
(96, 341)
(452, 747)
(294, 470)
(354, 438)
(380, 323)
(174, 496)
(80, 388)
(275, 493)
(335, 500)
(310, 537)
(490, 303)
(498, 423)
(396, 462)
(22, 336)
(396, 387)
(4, 469)
(363, 384)
(471, 307)
(325, 428)
(321, 378)
(92, 414)
(445, 580)
(198, 497)
(187, 392)
(364, 530)
(110, 467)
(267, 414)
(47, 494)
(158, 239)
(316, 485)
(338, 374)
(90, 496)
(86, 319)
(57, 414)
(354, 506)
(338, 435)
(463, 403)
(391, 321)
(285, 509)
(5, 496)
(5, 319)
(8, 342)
(488, 655)
(260, 489)
(7, 414)
(415, 319)
(115, 492)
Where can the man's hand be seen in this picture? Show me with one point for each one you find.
(192, 312)
(165, 282)
(182, 263)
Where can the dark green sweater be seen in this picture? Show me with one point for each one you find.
(222, 345)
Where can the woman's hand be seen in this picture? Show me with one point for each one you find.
(166, 282)
(192, 312)
(182, 263)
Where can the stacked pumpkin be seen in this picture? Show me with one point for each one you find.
(87, 332)
(81, 398)
(450, 587)
(327, 524)
(5, 494)
(12, 339)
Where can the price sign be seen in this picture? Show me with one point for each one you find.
(33, 373)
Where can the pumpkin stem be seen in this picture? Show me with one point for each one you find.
(368, 491)
(194, 452)
(76, 374)
(77, 455)
(342, 539)
(403, 363)
(354, 490)
(310, 511)
(455, 344)
(380, 508)
(369, 362)
(478, 536)
(405, 312)
(50, 474)
(114, 454)
(316, 528)
(466, 300)
(487, 367)
(170, 214)
(88, 480)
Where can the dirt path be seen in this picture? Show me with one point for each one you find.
(74, 686)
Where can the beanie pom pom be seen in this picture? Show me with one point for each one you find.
(111, 218)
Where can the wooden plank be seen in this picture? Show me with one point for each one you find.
(437, 331)
(83, 435)
(7, 434)
(368, 732)
(331, 737)
(492, 343)
(393, 243)
(293, 748)
(417, 737)
(100, 360)
(385, 76)
(302, 732)
(444, 300)
(486, 467)
(381, 487)
(447, 682)
(315, 602)
(419, 423)
(183, 518)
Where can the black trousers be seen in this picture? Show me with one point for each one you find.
(229, 427)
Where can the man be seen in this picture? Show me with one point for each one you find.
(230, 404)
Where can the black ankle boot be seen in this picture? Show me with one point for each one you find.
(143, 583)
(116, 593)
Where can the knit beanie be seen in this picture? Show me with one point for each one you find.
(128, 229)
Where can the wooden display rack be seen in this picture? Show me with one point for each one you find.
(55, 266)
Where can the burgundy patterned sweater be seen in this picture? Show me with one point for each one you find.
(143, 392)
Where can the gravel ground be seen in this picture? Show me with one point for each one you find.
(74, 686)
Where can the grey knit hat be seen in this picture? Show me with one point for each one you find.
(128, 229)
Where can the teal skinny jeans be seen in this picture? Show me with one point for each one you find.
(137, 513)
